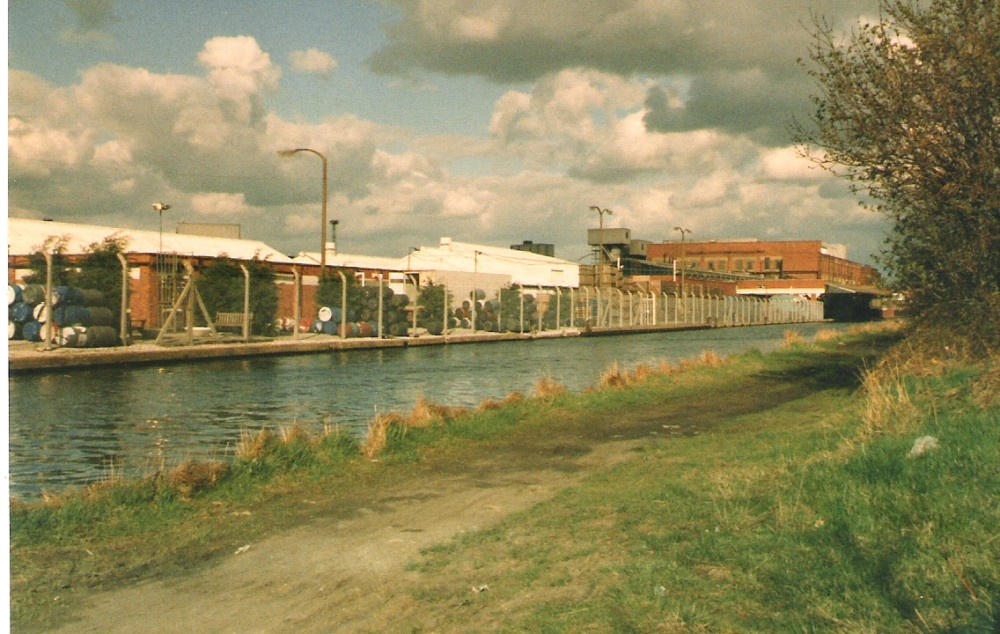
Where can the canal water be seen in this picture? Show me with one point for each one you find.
(73, 428)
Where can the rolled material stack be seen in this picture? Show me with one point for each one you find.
(362, 317)
(78, 319)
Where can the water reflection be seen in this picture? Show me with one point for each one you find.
(70, 429)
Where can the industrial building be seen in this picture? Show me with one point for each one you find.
(156, 267)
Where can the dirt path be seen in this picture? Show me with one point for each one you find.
(347, 574)
(347, 569)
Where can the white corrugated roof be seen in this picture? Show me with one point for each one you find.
(26, 236)
(353, 261)
(524, 267)
(521, 267)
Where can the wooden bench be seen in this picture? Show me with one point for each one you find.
(231, 320)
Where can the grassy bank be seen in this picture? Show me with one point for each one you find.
(816, 515)
(766, 494)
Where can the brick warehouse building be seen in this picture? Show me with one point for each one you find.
(156, 270)
(757, 267)
(792, 260)
(155, 279)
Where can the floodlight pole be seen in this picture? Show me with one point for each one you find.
(322, 226)
(683, 232)
(600, 237)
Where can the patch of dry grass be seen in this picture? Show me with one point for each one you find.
(547, 388)
(253, 446)
(827, 334)
(888, 406)
(642, 373)
(191, 477)
(294, 433)
(378, 434)
(986, 390)
(426, 414)
(614, 377)
(793, 338)
(707, 359)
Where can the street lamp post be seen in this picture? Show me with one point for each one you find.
(160, 208)
(683, 232)
(322, 226)
(600, 237)
(165, 278)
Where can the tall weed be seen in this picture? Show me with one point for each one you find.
(887, 402)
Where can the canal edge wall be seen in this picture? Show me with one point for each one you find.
(24, 357)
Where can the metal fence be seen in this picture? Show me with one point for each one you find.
(611, 308)
(387, 309)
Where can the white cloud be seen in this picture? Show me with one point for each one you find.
(221, 204)
(240, 71)
(313, 62)
(207, 142)
(786, 164)
(114, 152)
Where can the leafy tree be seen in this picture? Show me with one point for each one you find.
(330, 294)
(100, 270)
(62, 272)
(908, 110)
(221, 286)
(431, 308)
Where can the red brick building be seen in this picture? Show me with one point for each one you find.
(789, 260)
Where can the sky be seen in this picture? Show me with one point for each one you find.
(486, 121)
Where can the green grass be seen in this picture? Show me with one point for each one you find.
(778, 520)
(764, 495)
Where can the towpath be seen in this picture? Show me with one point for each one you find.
(348, 568)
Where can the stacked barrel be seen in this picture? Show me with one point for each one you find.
(77, 318)
(485, 312)
(362, 314)
(513, 304)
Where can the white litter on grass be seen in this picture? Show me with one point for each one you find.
(478, 589)
(242, 549)
(922, 446)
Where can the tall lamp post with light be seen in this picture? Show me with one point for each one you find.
(160, 208)
(322, 226)
(165, 278)
(600, 237)
(683, 264)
